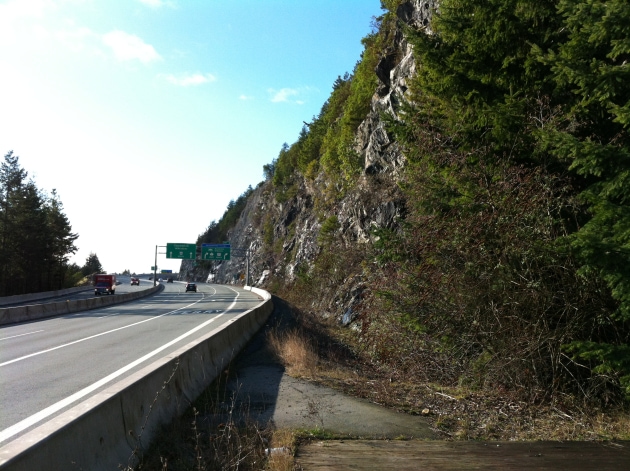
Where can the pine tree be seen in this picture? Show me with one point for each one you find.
(92, 265)
(35, 235)
(591, 68)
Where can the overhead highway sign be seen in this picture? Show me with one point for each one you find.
(184, 251)
(215, 251)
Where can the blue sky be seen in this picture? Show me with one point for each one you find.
(149, 116)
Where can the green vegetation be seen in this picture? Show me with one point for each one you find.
(517, 140)
(36, 238)
(516, 187)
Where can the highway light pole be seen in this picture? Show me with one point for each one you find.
(155, 265)
(243, 252)
(247, 268)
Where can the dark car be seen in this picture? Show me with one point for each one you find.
(191, 287)
(135, 281)
(170, 280)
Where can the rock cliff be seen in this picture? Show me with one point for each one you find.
(282, 239)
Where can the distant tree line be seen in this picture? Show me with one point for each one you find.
(36, 238)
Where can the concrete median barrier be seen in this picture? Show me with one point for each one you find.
(112, 427)
(23, 298)
(32, 312)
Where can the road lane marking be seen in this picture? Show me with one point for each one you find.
(21, 335)
(93, 336)
(48, 411)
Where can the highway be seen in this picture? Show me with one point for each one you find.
(50, 365)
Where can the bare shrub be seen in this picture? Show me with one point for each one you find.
(215, 433)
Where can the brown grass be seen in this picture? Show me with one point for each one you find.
(282, 445)
(295, 351)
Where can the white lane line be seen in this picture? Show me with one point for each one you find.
(93, 336)
(41, 415)
(21, 335)
(109, 315)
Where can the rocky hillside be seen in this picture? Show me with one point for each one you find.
(282, 238)
(467, 181)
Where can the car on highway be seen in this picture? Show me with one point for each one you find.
(191, 287)
(102, 288)
(135, 281)
(170, 280)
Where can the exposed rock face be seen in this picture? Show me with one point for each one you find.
(375, 202)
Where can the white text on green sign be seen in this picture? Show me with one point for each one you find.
(215, 251)
(185, 251)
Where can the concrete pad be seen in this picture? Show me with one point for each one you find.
(272, 397)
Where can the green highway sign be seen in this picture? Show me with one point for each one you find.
(185, 251)
(215, 251)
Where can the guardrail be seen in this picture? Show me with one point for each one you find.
(31, 312)
(105, 430)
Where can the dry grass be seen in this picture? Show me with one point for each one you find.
(296, 351)
(282, 445)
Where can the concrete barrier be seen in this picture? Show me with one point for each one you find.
(112, 427)
(22, 298)
(31, 312)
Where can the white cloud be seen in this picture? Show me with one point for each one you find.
(245, 97)
(282, 95)
(129, 47)
(191, 79)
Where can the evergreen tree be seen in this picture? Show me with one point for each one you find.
(12, 178)
(92, 265)
(590, 67)
(59, 242)
(35, 235)
(544, 86)
(479, 76)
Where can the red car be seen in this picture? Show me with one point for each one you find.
(135, 281)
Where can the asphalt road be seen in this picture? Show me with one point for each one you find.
(50, 365)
